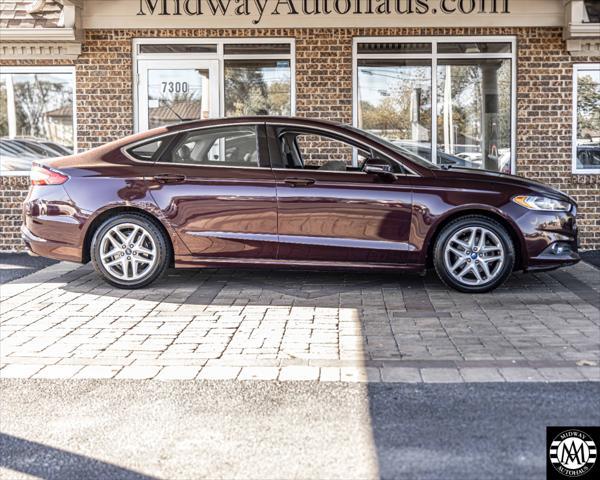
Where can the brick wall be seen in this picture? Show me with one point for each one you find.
(12, 193)
(324, 90)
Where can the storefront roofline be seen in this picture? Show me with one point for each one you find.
(119, 14)
(38, 34)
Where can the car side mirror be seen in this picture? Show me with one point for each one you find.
(382, 170)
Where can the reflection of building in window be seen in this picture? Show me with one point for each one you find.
(59, 125)
(178, 109)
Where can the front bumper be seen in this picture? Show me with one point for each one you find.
(551, 259)
(551, 239)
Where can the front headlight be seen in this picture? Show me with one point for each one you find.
(542, 203)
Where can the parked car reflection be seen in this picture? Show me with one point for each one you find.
(463, 159)
(17, 154)
(588, 156)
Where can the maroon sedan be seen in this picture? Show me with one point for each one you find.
(289, 192)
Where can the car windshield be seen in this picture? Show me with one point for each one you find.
(411, 155)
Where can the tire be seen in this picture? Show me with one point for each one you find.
(144, 263)
(485, 266)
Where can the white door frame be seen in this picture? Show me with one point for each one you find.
(141, 119)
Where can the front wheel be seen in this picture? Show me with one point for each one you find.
(474, 254)
(129, 251)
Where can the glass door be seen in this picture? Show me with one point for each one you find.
(176, 90)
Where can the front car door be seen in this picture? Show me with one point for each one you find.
(216, 188)
(331, 211)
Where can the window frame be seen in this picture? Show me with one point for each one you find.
(274, 132)
(177, 136)
(220, 56)
(23, 70)
(433, 57)
(577, 67)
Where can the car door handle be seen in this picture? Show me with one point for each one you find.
(299, 182)
(169, 178)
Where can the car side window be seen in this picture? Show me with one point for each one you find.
(314, 151)
(235, 146)
(146, 151)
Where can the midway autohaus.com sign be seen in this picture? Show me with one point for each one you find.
(258, 9)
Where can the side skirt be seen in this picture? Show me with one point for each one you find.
(189, 261)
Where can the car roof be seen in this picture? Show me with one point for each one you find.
(288, 120)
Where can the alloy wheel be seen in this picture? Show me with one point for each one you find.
(128, 252)
(474, 256)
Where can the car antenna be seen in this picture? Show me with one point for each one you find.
(164, 102)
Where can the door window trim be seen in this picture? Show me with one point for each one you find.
(263, 158)
(330, 134)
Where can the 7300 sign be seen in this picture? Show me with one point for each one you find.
(175, 87)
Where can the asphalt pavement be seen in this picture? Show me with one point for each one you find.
(18, 265)
(280, 430)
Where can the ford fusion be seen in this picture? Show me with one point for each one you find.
(289, 192)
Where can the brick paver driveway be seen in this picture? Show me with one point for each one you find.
(64, 322)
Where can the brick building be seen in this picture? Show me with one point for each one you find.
(510, 85)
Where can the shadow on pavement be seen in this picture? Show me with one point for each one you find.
(34, 458)
(18, 265)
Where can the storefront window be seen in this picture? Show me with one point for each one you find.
(257, 87)
(36, 116)
(473, 101)
(182, 79)
(586, 118)
(473, 98)
(394, 101)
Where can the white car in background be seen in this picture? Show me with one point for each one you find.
(17, 154)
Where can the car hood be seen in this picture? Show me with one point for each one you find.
(528, 186)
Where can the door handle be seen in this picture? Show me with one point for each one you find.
(299, 182)
(169, 178)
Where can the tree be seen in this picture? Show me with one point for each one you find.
(588, 106)
(247, 93)
(34, 98)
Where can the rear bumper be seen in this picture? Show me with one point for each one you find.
(49, 249)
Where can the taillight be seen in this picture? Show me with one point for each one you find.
(46, 176)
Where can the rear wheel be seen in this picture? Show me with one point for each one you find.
(474, 254)
(129, 251)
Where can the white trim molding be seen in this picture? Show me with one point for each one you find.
(39, 50)
(578, 67)
(49, 43)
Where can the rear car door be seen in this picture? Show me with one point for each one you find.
(330, 210)
(216, 188)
